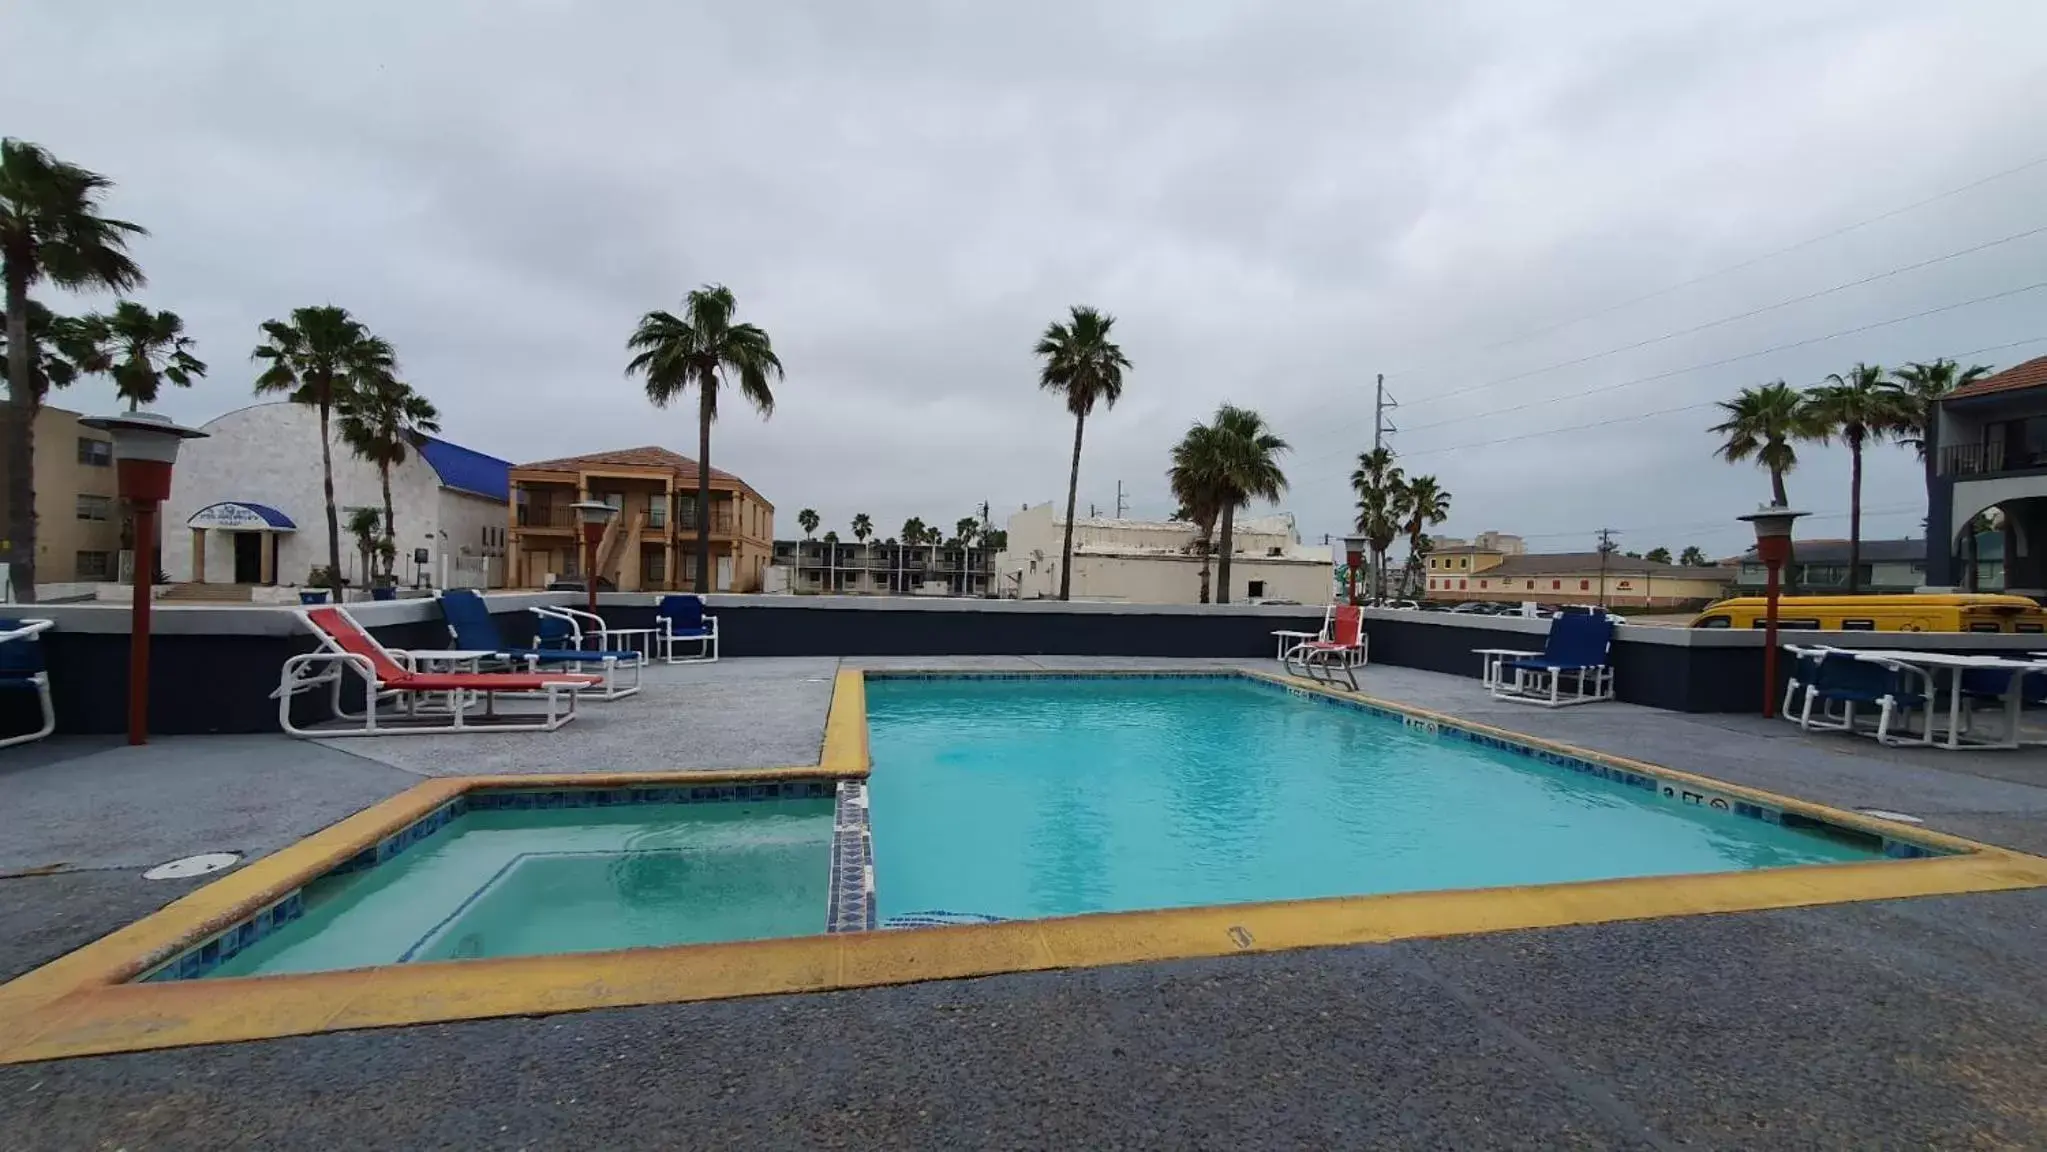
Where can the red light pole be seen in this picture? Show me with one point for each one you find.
(1772, 523)
(145, 447)
(1353, 556)
(594, 514)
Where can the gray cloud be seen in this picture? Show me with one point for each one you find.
(1277, 201)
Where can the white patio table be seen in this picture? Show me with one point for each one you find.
(1927, 663)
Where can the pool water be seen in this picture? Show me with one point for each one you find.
(1026, 798)
(529, 882)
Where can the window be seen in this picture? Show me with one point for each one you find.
(1460, 585)
(1556, 585)
(95, 565)
(1481, 584)
(1531, 585)
(98, 453)
(653, 567)
(1715, 622)
(2027, 628)
(1857, 625)
(1982, 626)
(1432, 561)
(1791, 625)
(1464, 562)
(1256, 589)
(1584, 585)
(94, 507)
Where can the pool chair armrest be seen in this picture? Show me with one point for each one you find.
(27, 629)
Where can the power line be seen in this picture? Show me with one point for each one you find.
(2033, 287)
(1739, 316)
(1751, 261)
(1663, 411)
(1723, 522)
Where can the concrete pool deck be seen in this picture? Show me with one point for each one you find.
(1914, 1022)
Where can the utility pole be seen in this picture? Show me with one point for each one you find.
(1381, 428)
(1121, 504)
(1606, 547)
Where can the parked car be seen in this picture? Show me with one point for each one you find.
(1594, 609)
(575, 584)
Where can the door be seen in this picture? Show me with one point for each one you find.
(724, 574)
(248, 557)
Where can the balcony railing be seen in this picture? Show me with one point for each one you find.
(1971, 459)
(721, 522)
(546, 516)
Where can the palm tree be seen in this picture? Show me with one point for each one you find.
(143, 349)
(1196, 480)
(381, 419)
(963, 530)
(317, 359)
(1920, 387)
(1248, 470)
(1382, 503)
(1086, 367)
(913, 531)
(1763, 423)
(1693, 557)
(863, 527)
(808, 521)
(704, 348)
(61, 349)
(364, 525)
(1427, 505)
(50, 229)
(1855, 407)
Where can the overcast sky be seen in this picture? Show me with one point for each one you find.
(1276, 201)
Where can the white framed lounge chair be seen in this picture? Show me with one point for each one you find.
(22, 670)
(1573, 667)
(587, 631)
(1342, 648)
(681, 622)
(422, 702)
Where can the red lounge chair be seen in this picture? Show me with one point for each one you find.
(426, 701)
(1341, 649)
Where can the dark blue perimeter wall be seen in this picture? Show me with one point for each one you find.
(222, 683)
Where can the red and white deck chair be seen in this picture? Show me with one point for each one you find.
(421, 701)
(1342, 647)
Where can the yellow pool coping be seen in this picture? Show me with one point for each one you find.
(83, 1003)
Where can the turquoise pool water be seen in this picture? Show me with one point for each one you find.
(527, 882)
(1026, 798)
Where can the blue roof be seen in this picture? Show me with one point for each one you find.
(468, 471)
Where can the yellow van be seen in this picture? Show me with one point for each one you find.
(1944, 612)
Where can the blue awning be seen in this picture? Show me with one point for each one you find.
(241, 515)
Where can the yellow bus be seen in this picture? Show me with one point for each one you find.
(1940, 612)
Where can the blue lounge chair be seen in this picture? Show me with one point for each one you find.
(1991, 687)
(21, 670)
(1846, 679)
(1576, 648)
(473, 630)
(680, 620)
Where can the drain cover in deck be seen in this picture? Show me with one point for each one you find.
(192, 866)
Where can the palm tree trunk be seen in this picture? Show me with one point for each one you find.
(1222, 592)
(1205, 544)
(1855, 518)
(390, 523)
(1072, 495)
(333, 518)
(704, 411)
(18, 439)
(1777, 488)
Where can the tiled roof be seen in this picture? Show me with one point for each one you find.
(1557, 563)
(2031, 374)
(647, 457)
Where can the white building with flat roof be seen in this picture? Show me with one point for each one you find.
(1158, 561)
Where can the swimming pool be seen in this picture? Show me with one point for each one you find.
(1010, 798)
(523, 873)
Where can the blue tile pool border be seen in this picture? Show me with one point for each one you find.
(1665, 789)
(852, 904)
(203, 958)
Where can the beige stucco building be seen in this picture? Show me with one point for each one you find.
(1158, 562)
(1468, 572)
(78, 513)
(651, 544)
